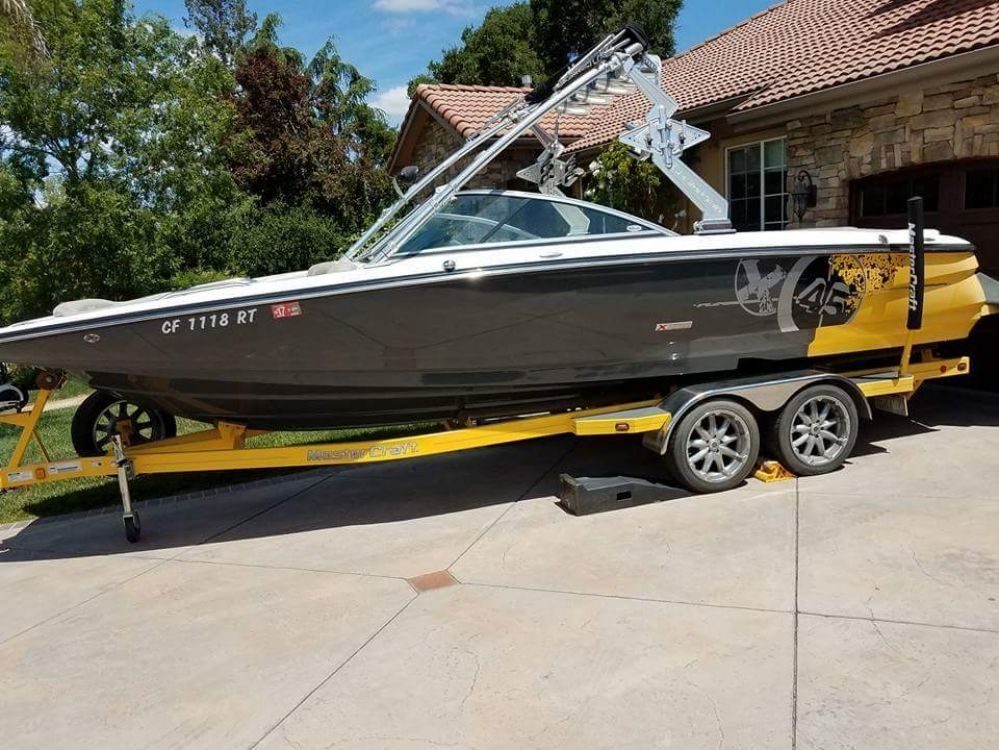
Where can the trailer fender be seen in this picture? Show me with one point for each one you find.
(764, 393)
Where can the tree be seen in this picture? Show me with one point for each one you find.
(116, 139)
(223, 24)
(21, 22)
(280, 237)
(305, 135)
(540, 37)
(568, 28)
(499, 52)
(340, 94)
(271, 144)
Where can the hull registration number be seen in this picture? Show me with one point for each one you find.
(209, 322)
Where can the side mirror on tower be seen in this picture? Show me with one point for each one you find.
(407, 175)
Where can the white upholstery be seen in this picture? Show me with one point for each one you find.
(80, 306)
(333, 266)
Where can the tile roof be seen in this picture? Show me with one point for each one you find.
(803, 46)
(794, 48)
(466, 108)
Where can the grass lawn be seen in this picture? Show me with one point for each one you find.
(83, 494)
(71, 389)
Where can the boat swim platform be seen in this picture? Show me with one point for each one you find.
(223, 447)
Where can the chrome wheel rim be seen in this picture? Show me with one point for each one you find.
(820, 430)
(718, 446)
(146, 424)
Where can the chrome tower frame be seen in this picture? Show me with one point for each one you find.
(618, 66)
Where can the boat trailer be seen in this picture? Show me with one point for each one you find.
(224, 446)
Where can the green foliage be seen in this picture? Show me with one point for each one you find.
(636, 187)
(189, 277)
(498, 52)
(306, 135)
(539, 37)
(19, 24)
(88, 240)
(110, 146)
(224, 25)
(133, 102)
(567, 28)
(280, 238)
(137, 159)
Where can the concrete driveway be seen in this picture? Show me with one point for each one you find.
(450, 603)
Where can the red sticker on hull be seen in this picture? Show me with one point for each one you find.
(286, 310)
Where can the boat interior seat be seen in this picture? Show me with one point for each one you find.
(83, 306)
(80, 306)
(333, 266)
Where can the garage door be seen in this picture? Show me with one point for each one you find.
(961, 198)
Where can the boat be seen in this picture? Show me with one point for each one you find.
(479, 304)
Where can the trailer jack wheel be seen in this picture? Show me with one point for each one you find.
(133, 527)
(129, 517)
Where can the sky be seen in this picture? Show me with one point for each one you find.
(391, 41)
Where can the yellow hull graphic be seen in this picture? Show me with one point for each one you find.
(955, 302)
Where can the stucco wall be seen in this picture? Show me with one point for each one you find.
(954, 121)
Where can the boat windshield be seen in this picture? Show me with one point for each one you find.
(482, 218)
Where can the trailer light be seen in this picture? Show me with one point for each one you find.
(622, 427)
(40, 474)
(962, 366)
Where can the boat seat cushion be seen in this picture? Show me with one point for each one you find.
(333, 266)
(80, 306)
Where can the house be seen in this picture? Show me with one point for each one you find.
(872, 101)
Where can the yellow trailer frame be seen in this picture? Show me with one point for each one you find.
(223, 447)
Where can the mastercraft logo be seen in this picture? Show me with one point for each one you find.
(370, 453)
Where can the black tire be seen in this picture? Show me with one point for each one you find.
(133, 528)
(93, 423)
(682, 456)
(823, 443)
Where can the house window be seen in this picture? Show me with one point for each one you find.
(981, 188)
(889, 196)
(757, 185)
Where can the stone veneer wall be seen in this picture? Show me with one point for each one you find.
(953, 121)
(436, 143)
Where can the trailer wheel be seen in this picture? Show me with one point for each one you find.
(714, 447)
(97, 418)
(816, 430)
(133, 528)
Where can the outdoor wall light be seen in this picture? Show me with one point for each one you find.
(804, 194)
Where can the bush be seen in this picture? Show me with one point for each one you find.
(196, 277)
(637, 187)
(281, 238)
(91, 242)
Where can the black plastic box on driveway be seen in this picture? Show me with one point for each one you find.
(583, 496)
